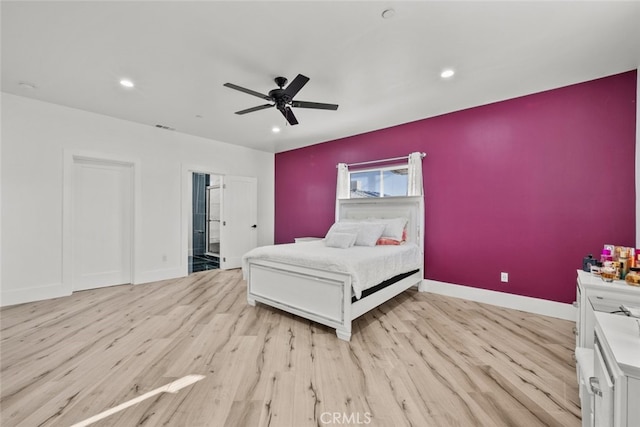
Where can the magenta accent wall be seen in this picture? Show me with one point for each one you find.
(528, 186)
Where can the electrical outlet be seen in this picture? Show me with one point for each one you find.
(504, 277)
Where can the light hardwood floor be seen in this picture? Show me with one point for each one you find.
(418, 360)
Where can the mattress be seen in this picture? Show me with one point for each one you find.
(367, 266)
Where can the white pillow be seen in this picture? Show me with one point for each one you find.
(340, 240)
(393, 227)
(342, 227)
(369, 233)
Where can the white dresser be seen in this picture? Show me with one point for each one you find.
(615, 383)
(614, 293)
(607, 352)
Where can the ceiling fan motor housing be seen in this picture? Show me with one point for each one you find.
(279, 95)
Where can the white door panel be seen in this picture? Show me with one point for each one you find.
(238, 233)
(102, 224)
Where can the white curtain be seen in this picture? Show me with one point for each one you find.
(414, 184)
(342, 188)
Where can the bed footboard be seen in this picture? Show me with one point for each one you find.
(321, 296)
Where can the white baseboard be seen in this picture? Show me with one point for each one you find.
(56, 290)
(501, 299)
(157, 275)
(21, 296)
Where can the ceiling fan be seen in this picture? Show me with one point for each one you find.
(283, 98)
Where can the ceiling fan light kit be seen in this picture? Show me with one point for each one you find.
(282, 98)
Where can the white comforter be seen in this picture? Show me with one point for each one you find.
(367, 266)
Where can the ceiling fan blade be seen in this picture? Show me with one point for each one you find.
(288, 114)
(252, 109)
(295, 86)
(249, 91)
(318, 105)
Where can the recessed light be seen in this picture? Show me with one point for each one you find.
(447, 74)
(126, 83)
(388, 13)
(275, 129)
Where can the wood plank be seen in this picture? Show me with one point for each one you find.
(419, 359)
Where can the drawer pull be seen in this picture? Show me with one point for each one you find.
(575, 331)
(594, 384)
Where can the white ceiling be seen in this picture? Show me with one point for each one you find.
(382, 72)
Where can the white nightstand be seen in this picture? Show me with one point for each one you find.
(306, 239)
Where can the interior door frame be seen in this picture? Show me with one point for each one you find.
(71, 157)
(187, 208)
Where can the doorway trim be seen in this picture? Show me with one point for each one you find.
(187, 205)
(71, 158)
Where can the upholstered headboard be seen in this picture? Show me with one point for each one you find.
(411, 208)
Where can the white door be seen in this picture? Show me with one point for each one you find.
(238, 231)
(102, 219)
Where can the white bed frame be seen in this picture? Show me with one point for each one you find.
(325, 296)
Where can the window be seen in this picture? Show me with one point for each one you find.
(380, 182)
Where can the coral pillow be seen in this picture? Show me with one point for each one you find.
(387, 241)
(394, 228)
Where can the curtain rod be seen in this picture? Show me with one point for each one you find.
(422, 156)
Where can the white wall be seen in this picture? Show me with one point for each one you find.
(35, 137)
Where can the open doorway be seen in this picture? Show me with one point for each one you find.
(219, 219)
(204, 251)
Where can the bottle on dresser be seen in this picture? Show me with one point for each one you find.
(623, 260)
